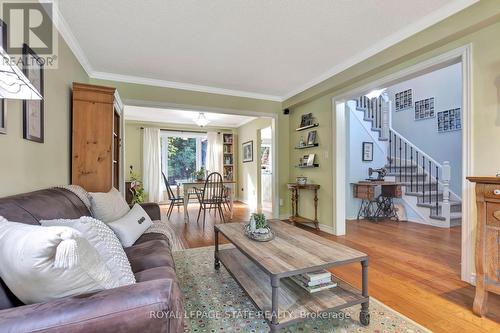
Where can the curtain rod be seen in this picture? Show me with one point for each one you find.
(178, 130)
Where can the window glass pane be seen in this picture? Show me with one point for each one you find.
(181, 158)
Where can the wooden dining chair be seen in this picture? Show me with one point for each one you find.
(175, 200)
(211, 196)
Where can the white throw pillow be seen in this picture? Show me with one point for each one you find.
(130, 227)
(45, 263)
(104, 241)
(108, 206)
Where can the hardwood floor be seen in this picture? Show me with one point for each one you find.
(414, 269)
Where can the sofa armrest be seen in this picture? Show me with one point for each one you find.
(149, 306)
(153, 210)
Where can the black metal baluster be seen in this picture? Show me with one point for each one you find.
(411, 166)
(390, 151)
(423, 178)
(437, 188)
(395, 154)
(400, 157)
(406, 163)
(416, 177)
(430, 183)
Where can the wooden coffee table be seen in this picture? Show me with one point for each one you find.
(263, 269)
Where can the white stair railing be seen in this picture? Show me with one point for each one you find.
(424, 174)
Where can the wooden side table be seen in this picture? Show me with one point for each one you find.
(295, 217)
(372, 207)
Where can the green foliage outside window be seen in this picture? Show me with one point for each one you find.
(181, 158)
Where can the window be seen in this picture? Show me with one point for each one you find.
(182, 154)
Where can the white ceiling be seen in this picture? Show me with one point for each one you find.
(269, 49)
(183, 117)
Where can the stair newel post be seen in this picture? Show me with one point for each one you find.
(385, 109)
(446, 177)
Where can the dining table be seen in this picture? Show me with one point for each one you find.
(199, 184)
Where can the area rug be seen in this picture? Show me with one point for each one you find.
(214, 302)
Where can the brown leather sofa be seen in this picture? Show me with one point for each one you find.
(153, 304)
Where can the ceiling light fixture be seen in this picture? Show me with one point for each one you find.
(13, 83)
(201, 121)
(375, 93)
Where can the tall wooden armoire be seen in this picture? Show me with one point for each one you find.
(97, 127)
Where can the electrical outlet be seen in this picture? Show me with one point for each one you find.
(281, 202)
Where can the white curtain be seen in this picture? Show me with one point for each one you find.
(151, 166)
(214, 152)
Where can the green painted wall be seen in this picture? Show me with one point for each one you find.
(249, 172)
(27, 165)
(479, 26)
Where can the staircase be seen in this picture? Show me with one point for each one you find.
(425, 181)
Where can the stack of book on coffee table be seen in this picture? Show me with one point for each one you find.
(315, 281)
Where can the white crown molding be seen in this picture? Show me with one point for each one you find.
(63, 28)
(182, 86)
(387, 42)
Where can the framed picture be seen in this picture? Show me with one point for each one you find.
(404, 100)
(3, 35)
(33, 109)
(367, 154)
(3, 116)
(306, 120)
(248, 151)
(311, 138)
(424, 109)
(449, 121)
(310, 159)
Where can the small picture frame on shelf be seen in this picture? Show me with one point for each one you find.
(306, 120)
(367, 153)
(310, 159)
(311, 138)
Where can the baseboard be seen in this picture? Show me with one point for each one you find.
(327, 228)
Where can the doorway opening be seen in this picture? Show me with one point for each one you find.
(444, 121)
(266, 169)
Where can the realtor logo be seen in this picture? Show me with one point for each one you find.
(30, 23)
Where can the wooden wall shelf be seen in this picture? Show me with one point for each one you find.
(306, 127)
(307, 146)
(307, 166)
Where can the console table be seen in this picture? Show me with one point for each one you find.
(296, 218)
(487, 240)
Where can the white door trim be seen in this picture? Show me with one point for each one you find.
(274, 128)
(461, 55)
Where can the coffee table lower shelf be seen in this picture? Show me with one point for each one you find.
(295, 304)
